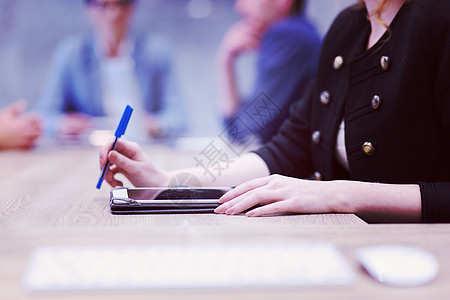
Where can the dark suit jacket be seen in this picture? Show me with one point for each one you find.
(394, 99)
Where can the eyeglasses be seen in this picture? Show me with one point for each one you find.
(113, 4)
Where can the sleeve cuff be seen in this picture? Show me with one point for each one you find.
(435, 202)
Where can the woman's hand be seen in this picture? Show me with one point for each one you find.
(279, 194)
(374, 202)
(130, 160)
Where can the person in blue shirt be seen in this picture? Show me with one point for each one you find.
(288, 48)
(97, 74)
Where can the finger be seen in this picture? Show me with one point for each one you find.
(249, 200)
(111, 180)
(102, 159)
(103, 154)
(229, 204)
(33, 131)
(29, 141)
(33, 118)
(252, 199)
(16, 108)
(32, 125)
(32, 139)
(122, 162)
(270, 209)
(244, 188)
(125, 148)
(128, 149)
(226, 205)
(114, 169)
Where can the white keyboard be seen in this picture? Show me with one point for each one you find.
(187, 266)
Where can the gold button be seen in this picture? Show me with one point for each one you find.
(325, 97)
(384, 62)
(368, 148)
(376, 102)
(317, 176)
(316, 137)
(338, 63)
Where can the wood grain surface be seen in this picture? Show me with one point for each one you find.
(48, 198)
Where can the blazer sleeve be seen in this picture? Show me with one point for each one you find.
(435, 202)
(435, 25)
(288, 153)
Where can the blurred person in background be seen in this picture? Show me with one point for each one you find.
(18, 129)
(96, 74)
(288, 48)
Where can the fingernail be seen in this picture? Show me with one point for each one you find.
(220, 209)
(229, 211)
(112, 155)
(222, 199)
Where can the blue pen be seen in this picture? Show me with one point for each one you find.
(119, 132)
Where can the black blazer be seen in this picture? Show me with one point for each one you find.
(394, 99)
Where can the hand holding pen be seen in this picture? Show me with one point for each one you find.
(119, 132)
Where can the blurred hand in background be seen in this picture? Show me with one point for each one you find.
(19, 129)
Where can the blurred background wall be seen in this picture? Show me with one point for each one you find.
(30, 29)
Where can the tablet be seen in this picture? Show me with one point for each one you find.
(166, 200)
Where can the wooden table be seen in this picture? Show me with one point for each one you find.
(49, 199)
